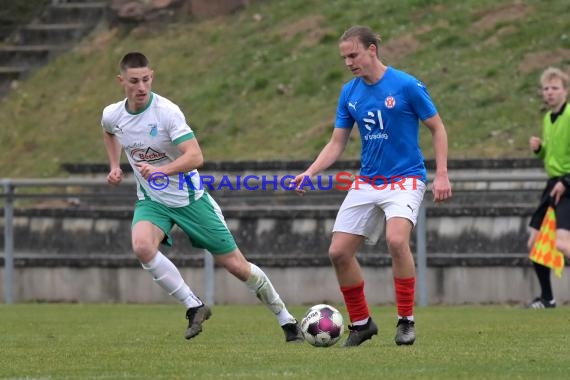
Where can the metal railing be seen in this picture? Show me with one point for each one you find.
(487, 181)
(9, 194)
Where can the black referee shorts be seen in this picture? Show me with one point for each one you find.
(562, 209)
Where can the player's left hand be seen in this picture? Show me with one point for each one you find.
(146, 169)
(441, 187)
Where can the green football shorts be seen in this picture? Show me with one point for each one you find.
(201, 220)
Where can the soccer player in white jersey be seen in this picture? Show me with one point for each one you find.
(162, 148)
(387, 106)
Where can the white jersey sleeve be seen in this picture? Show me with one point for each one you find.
(177, 125)
(111, 116)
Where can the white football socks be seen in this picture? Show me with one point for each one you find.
(169, 278)
(258, 283)
(362, 322)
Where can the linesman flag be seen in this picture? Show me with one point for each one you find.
(544, 250)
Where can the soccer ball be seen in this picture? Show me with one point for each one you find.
(322, 325)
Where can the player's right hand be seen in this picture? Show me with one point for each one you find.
(534, 143)
(297, 183)
(558, 191)
(115, 176)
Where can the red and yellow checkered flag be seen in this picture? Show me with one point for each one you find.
(544, 250)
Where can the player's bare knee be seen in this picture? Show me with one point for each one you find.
(338, 256)
(235, 263)
(238, 269)
(397, 244)
(144, 249)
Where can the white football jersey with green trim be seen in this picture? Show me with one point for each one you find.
(150, 136)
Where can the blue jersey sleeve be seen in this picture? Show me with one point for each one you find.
(343, 117)
(420, 100)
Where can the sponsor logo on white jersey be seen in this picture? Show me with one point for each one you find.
(148, 155)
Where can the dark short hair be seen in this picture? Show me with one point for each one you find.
(365, 35)
(133, 60)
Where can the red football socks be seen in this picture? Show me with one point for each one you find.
(405, 289)
(355, 302)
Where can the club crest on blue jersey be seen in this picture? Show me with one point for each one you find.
(390, 102)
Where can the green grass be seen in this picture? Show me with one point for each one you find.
(268, 77)
(62, 341)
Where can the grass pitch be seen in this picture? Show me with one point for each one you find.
(63, 341)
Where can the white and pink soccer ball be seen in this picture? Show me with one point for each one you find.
(322, 325)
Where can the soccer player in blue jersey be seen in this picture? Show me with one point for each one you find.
(387, 105)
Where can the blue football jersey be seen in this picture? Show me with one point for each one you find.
(387, 113)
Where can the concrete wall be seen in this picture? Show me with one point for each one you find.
(309, 285)
(270, 232)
